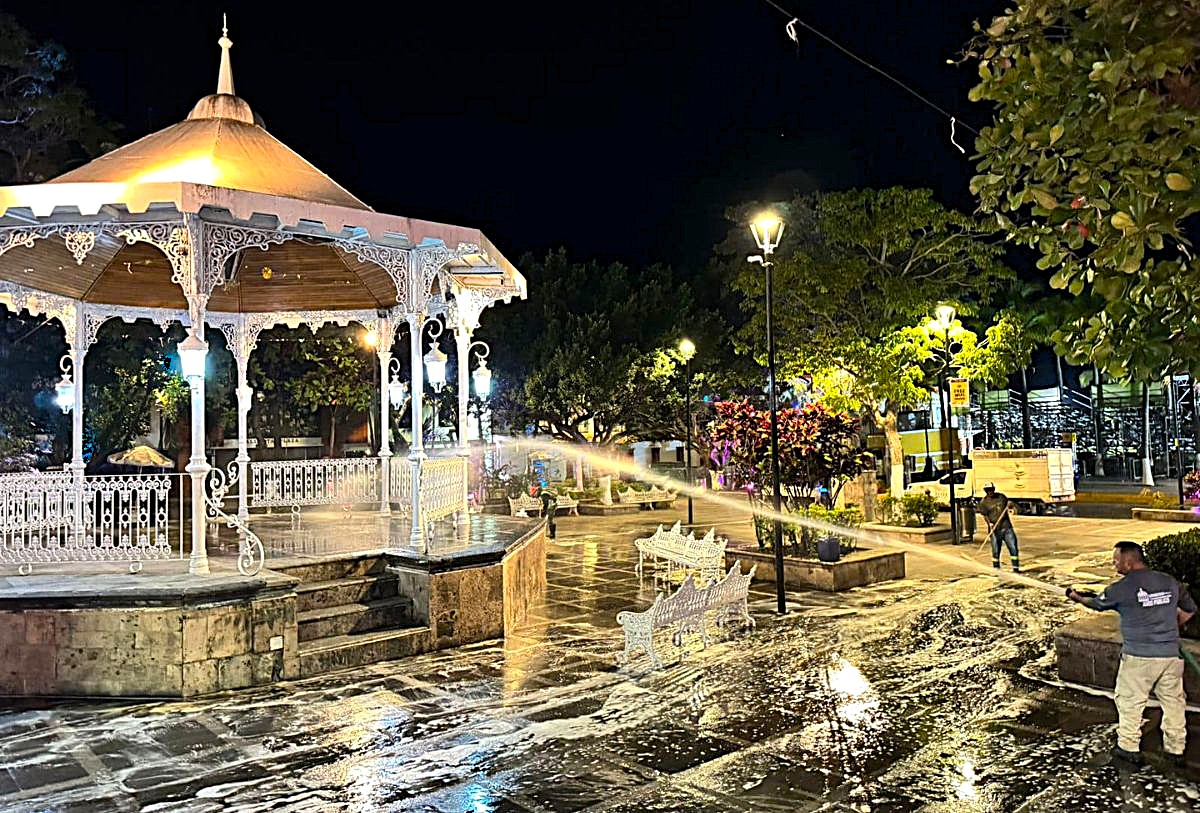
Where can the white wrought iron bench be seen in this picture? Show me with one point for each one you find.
(678, 551)
(686, 610)
(654, 497)
(533, 505)
(524, 505)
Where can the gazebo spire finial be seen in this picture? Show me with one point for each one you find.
(225, 78)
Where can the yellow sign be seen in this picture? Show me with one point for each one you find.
(960, 393)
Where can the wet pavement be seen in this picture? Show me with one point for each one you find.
(917, 695)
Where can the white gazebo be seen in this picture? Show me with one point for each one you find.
(216, 224)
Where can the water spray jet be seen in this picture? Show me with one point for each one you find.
(609, 463)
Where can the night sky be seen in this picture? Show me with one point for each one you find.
(619, 130)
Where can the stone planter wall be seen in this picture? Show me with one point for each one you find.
(913, 536)
(1167, 514)
(1089, 652)
(858, 569)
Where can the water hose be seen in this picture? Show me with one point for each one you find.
(1189, 659)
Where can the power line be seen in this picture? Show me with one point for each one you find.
(791, 31)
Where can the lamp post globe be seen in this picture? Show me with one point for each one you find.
(192, 352)
(482, 378)
(435, 367)
(767, 229)
(64, 393)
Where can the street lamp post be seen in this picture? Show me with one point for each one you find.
(945, 317)
(767, 229)
(687, 349)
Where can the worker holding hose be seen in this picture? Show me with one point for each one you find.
(995, 508)
(1152, 607)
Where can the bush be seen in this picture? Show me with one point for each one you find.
(1156, 499)
(920, 509)
(801, 540)
(1178, 555)
(911, 510)
(1191, 485)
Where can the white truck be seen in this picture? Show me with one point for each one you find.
(1031, 478)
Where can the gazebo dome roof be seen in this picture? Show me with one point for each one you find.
(222, 143)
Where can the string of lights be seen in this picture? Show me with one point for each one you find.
(794, 21)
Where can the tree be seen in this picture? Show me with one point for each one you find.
(46, 121)
(575, 360)
(1091, 159)
(336, 378)
(856, 278)
(817, 447)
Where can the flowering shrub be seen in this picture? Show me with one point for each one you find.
(816, 447)
(1191, 485)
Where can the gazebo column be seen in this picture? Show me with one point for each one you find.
(245, 396)
(78, 353)
(462, 344)
(385, 421)
(416, 325)
(197, 465)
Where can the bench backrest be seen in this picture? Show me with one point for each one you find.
(689, 600)
(523, 503)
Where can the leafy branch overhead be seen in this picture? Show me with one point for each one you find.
(1092, 160)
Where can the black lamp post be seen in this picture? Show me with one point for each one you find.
(945, 318)
(767, 229)
(687, 349)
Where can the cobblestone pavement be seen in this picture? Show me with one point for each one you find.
(920, 694)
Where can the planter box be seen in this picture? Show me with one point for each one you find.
(1167, 514)
(1089, 652)
(858, 569)
(917, 536)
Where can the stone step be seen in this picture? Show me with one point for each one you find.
(315, 595)
(348, 651)
(351, 619)
(349, 567)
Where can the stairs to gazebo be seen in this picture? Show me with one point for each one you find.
(349, 613)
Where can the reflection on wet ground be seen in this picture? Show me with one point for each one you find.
(903, 697)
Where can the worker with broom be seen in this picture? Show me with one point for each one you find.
(995, 507)
(1153, 607)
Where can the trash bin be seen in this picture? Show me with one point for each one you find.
(966, 520)
(829, 549)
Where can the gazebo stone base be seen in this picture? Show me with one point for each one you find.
(152, 635)
(163, 633)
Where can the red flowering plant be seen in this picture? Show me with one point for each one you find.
(1191, 486)
(817, 448)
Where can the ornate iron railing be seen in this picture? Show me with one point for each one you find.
(443, 487)
(400, 484)
(52, 517)
(251, 553)
(339, 481)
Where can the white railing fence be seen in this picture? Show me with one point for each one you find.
(49, 517)
(443, 487)
(400, 484)
(338, 481)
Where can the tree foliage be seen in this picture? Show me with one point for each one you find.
(1092, 160)
(857, 277)
(816, 446)
(46, 121)
(582, 358)
(335, 376)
